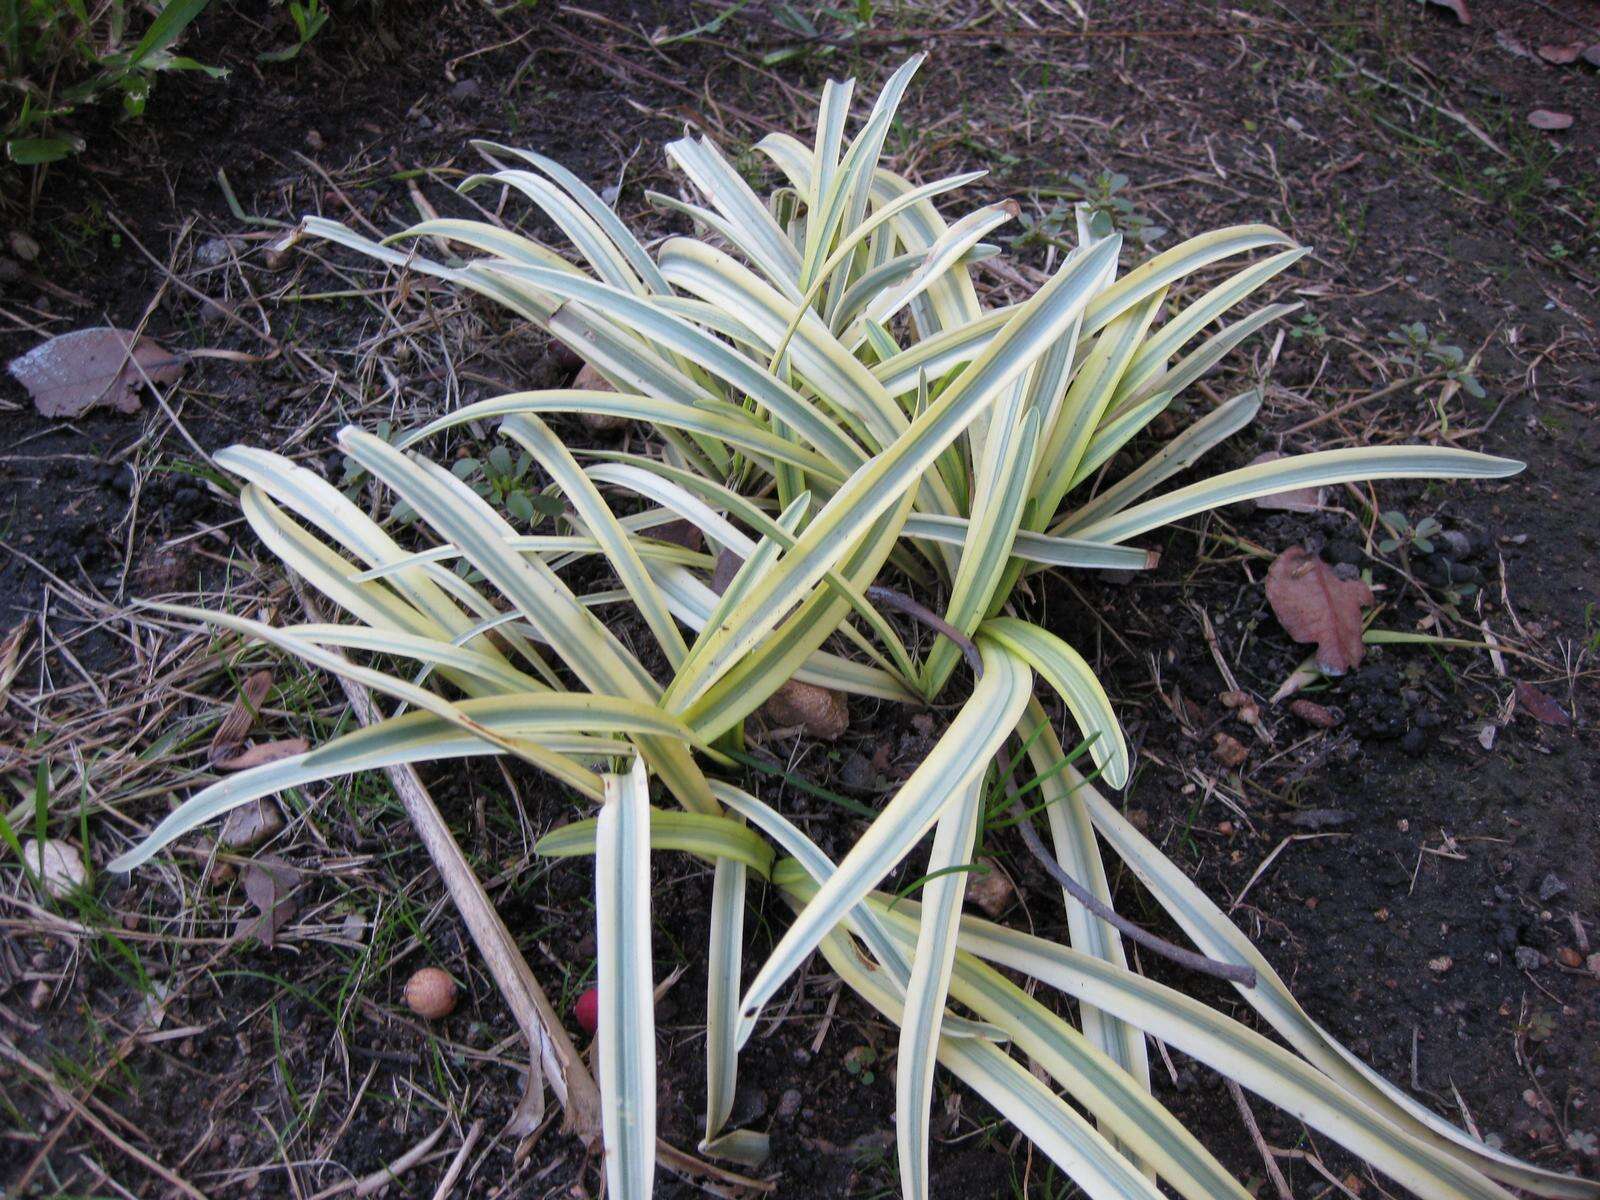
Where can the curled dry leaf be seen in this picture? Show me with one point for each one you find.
(77, 371)
(1315, 714)
(261, 753)
(989, 889)
(1546, 118)
(1459, 7)
(229, 738)
(1314, 605)
(822, 712)
(1540, 707)
(1305, 500)
(269, 882)
(1563, 54)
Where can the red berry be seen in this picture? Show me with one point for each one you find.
(587, 1010)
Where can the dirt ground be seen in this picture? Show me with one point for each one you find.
(1423, 872)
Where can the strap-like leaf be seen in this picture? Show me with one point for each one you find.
(627, 1026)
(1301, 471)
(935, 952)
(954, 763)
(1065, 670)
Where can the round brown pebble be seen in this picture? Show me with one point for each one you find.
(431, 994)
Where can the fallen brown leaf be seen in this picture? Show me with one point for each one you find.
(822, 712)
(74, 372)
(1561, 55)
(262, 753)
(268, 883)
(1305, 500)
(1546, 118)
(1315, 605)
(989, 889)
(1459, 7)
(235, 727)
(1540, 707)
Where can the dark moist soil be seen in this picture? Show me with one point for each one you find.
(1424, 895)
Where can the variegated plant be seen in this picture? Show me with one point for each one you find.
(829, 402)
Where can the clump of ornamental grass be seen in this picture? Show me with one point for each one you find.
(827, 399)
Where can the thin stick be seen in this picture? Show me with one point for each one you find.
(83, 1113)
(569, 1079)
(460, 1161)
(1274, 1172)
(1348, 405)
(1238, 973)
(901, 602)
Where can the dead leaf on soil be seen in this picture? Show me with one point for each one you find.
(1459, 7)
(235, 727)
(680, 533)
(1305, 500)
(588, 379)
(1546, 118)
(1540, 707)
(262, 753)
(989, 889)
(1561, 55)
(822, 712)
(74, 372)
(11, 656)
(1315, 605)
(268, 883)
(1230, 751)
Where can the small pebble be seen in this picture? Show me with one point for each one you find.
(789, 1104)
(1529, 959)
(431, 993)
(58, 865)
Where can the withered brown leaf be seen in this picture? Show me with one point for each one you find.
(74, 372)
(1540, 706)
(1314, 605)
